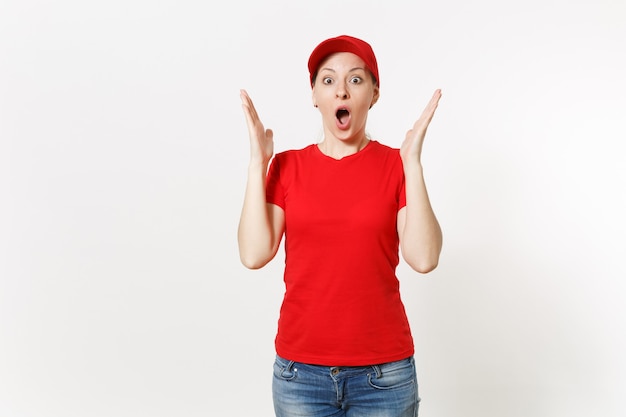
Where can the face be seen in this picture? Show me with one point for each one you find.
(344, 91)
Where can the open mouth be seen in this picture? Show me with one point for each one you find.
(343, 115)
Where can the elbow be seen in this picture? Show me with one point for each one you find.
(254, 258)
(423, 264)
(252, 262)
(423, 267)
(422, 259)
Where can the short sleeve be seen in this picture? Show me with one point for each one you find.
(274, 192)
(402, 196)
(402, 192)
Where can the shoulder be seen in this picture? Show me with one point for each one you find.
(296, 153)
(384, 149)
(382, 152)
(289, 160)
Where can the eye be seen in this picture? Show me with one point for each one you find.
(327, 80)
(355, 80)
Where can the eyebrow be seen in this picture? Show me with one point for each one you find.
(332, 70)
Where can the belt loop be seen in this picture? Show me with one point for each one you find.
(376, 369)
(287, 372)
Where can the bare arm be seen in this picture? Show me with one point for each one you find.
(261, 224)
(420, 234)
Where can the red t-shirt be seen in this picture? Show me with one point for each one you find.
(342, 302)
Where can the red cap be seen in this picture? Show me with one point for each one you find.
(343, 43)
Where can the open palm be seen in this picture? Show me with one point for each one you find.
(261, 139)
(411, 149)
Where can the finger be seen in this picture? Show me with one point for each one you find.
(249, 105)
(247, 112)
(429, 110)
(434, 102)
(252, 118)
(249, 121)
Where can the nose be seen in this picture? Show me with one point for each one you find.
(342, 91)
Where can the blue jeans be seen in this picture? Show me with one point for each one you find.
(386, 390)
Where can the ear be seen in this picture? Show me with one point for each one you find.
(313, 99)
(375, 97)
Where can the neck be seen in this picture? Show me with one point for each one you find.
(338, 149)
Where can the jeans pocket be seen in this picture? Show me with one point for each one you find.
(394, 375)
(284, 369)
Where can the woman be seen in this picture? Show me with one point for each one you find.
(345, 206)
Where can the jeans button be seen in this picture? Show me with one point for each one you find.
(334, 371)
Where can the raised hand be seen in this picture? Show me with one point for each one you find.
(261, 139)
(411, 149)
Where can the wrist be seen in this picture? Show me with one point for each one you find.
(411, 164)
(257, 165)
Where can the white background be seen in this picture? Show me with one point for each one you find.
(123, 154)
